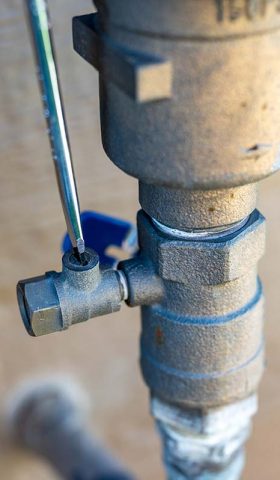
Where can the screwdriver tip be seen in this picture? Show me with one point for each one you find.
(79, 251)
(81, 246)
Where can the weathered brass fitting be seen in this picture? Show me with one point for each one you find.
(56, 301)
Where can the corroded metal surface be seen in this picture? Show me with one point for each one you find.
(202, 344)
(204, 445)
(220, 127)
(56, 301)
(197, 209)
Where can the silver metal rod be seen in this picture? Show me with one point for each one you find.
(47, 72)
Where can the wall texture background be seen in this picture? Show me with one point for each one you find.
(102, 354)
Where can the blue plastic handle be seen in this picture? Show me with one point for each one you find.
(101, 232)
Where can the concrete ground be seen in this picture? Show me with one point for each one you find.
(102, 354)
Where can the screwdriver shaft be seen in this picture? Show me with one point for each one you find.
(41, 33)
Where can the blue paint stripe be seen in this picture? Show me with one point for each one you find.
(174, 372)
(166, 314)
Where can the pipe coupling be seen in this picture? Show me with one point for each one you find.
(204, 445)
(202, 343)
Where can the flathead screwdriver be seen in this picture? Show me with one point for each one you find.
(41, 33)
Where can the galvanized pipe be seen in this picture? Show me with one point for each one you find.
(49, 418)
(204, 445)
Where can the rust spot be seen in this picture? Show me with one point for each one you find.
(243, 104)
(211, 209)
(264, 106)
(232, 195)
(159, 336)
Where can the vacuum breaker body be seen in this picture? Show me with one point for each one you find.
(190, 106)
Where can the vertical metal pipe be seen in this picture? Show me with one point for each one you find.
(204, 445)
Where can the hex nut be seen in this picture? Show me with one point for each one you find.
(39, 305)
(206, 262)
